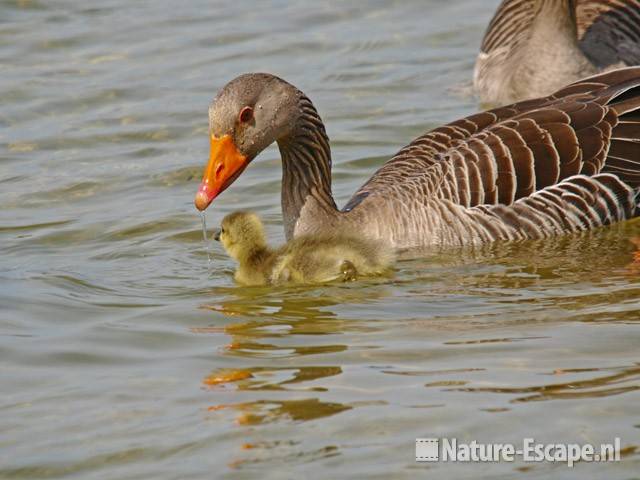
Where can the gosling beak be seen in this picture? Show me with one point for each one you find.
(226, 163)
(216, 234)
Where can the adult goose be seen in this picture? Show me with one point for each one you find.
(563, 163)
(534, 47)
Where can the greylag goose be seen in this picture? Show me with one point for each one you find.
(543, 167)
(533, 47)
(304, 259)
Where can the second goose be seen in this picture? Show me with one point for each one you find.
(533, 47)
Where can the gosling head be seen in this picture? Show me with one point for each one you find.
(241, 234)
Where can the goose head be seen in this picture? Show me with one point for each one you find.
(248, 114)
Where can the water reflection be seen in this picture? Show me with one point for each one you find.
(271, 378)
(295, 302)
(267, 411)
(265, 324)
(267, 313)
(626, 380)
(279, 452)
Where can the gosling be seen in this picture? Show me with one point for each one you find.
(305, 259)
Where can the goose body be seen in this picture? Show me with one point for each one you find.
(304, 259)
(563, 163)
(533, 47)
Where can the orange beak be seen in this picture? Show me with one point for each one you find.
(226, 163)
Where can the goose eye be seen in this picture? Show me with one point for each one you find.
(246, 114)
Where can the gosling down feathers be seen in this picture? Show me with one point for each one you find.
(533, 47)
(305, 259)
(563, 163)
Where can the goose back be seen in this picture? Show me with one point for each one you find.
(461, 183)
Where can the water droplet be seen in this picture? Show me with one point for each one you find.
(206, 241)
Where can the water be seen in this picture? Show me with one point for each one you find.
(124, 357)
(207, 245)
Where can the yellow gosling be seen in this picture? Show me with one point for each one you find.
(305, 259)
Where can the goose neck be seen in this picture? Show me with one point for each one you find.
(306, 171)
(559, 15)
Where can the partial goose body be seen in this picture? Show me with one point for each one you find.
(544, 167)
(534, 47)
(304, 259)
